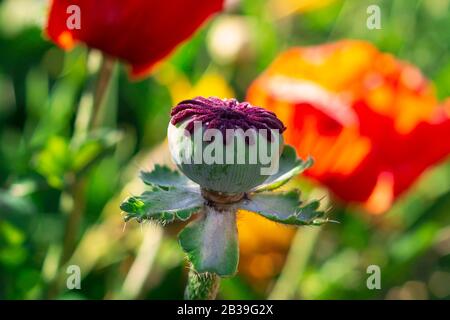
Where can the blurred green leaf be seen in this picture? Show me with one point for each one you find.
(54, 161)
(59, 159)
(11, 205)
(93, 148)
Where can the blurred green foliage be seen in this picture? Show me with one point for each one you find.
(60, 184)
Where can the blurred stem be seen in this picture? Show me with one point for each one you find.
(77, 189)
(103, 81)
(201, 286)
(78, 205)
(143, 264)
(301, 249)
(77, 186)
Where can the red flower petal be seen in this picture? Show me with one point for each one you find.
(372, 123)
(140, 32)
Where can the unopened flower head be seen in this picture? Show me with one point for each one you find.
(225, 145)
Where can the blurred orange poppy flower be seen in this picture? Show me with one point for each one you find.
(140, 32)
(372, 122)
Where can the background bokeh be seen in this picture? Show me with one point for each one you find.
(61, 186)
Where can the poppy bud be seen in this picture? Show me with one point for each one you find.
(224, 145)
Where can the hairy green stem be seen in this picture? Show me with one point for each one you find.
(201, 286)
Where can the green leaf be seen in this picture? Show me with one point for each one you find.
(211, 243)
(285, 207)
(54, 161)
(58, 113)
(290, 166)
(163, 206)
(94, 148)
(163, 177)
(14, 206)
(60, 157)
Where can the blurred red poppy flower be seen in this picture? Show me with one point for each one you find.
(140, 32)
(372, 123)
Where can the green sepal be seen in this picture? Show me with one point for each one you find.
(163, 205)
(211, 243)
(285, 207)
(164, 177)
(289, 166)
